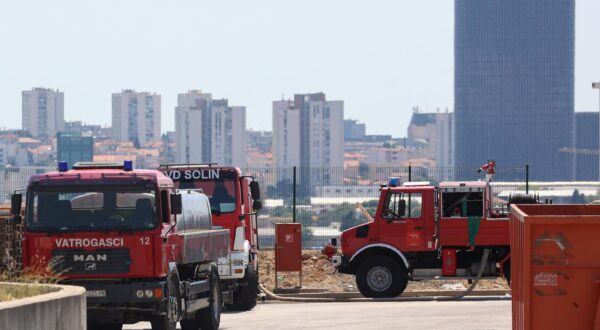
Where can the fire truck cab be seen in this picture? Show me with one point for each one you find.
(422, 232)
(143, 251)
(235, 201)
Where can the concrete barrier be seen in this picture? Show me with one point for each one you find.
(64, 309)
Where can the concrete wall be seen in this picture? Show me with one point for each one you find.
(64, 309)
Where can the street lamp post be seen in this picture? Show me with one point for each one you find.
(596, 85)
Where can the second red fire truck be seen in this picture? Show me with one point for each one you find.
(235, 201)
(424, 232)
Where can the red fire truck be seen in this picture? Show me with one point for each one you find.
(235, 201)
(424, 232)
(142, 251)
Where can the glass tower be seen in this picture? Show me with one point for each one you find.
(513, 84)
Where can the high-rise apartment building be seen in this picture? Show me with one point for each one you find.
(433, 133)
(136, 117)
(209, 131)
(353, 130)
(43, 112)
(309, 133)
(188, 126)
(286, 134)
(513, 84)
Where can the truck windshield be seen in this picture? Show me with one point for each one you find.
(91, 209)
(221, 190)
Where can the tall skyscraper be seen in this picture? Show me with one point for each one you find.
(513, 84)
(309, 133)
(136, 117)
(209, 131)
(43, 113)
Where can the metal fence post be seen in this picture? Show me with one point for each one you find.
(294, 195)
(409, 173)
(526, 178)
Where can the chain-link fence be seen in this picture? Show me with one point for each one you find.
(328, 200)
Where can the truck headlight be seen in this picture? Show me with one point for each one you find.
(148, 293)
(139, 293)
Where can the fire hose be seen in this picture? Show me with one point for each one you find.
(460, 295)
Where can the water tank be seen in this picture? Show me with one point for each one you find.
(196, 211)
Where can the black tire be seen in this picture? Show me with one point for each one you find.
(209, 318)
(105, 326)
(189, 324)
(169, 321)
(244, 298)
(381, 277)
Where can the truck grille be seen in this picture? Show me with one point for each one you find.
(101, 261)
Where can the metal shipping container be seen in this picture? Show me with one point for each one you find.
(555, 261)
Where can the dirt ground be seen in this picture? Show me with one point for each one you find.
(319, 274)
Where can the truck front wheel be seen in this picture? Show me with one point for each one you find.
(381, 277)
(169, 321)
(244, 299)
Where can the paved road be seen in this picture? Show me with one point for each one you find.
(369, 315)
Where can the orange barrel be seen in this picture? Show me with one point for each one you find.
(555, 261)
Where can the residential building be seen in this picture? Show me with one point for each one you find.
(209, 131)
(136, 117)
(432, 136)
(74, 147)
(309, 133)
(286, 134)
(586, 146)
(188, 126)
(513, 85)
(259, 140)
(43, 112)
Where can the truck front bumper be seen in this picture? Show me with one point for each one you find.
(124, 302)
(342, 264)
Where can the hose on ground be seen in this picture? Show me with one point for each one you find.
(484, 259)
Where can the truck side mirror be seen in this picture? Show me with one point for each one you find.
(15, 203)
(176, 206)
(255, 190)
(257, 205)
(401, 207)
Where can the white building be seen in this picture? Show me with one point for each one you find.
(433, 135)
(136, 117)
(188, 126)
(43, 113)
(309, 133)
(209, 131)
(286, 134)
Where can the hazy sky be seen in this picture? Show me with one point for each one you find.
(380, 57)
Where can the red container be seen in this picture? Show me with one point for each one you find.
(555, 261)
(288, 247)
(449, 262)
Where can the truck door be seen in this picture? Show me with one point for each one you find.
(405, 222)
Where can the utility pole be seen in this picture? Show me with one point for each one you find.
(596, 85)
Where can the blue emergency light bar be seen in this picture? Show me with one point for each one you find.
(128, 165)
(63, 166)
(394, 182)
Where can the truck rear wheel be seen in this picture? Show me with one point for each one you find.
(209, 318)
(381, 277)
(244, 299)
